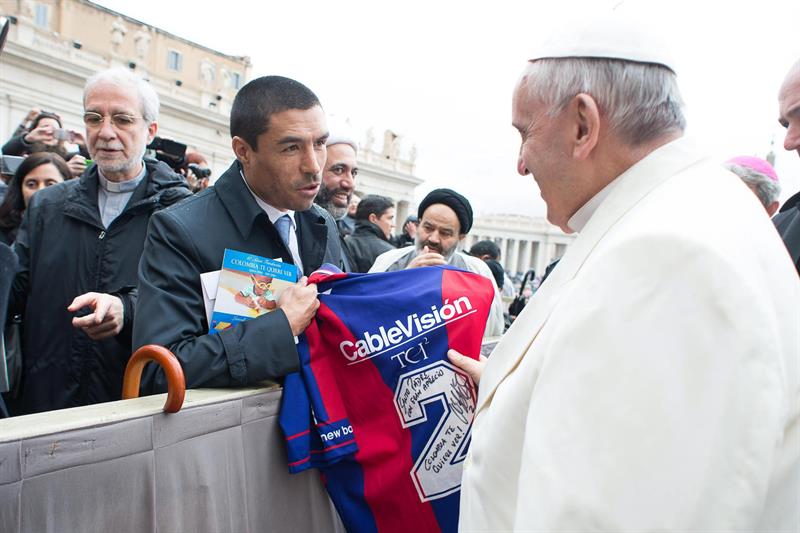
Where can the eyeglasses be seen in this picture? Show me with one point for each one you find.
(120, 121)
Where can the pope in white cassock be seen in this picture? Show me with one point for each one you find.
(652, 381)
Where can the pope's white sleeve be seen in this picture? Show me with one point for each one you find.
(660, 404)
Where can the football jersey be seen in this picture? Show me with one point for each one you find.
(377, 406)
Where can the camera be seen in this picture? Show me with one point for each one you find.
(170, 152)
(199, 171)
(9, 164)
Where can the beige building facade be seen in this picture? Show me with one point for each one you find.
(55, 45)
(525, 242)
(388, 170)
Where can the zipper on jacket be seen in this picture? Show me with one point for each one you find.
(102, 235)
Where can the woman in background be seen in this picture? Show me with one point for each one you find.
(36, 171)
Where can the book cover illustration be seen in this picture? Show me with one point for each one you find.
(249, 286)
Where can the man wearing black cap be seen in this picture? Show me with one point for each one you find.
(445, 218)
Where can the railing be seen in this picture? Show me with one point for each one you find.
(216, 462)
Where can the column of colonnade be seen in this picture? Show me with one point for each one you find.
(513, 259)
(519, 255)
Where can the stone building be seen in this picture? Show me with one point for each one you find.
(389, 171)
(54, 46)
(525, 242)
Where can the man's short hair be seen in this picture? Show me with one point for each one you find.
(481, 248)
(641, 101)
(122, 77)
(373, 203)
(262, 97)
(767, 189)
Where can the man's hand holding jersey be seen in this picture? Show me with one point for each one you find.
(299, 303)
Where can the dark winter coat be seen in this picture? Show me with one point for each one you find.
(787, 223)
(65, 251)
(365, 244)
(190, 239)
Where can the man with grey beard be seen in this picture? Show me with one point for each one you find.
(79, 247)
(445, 218)
(339, 185)
(339, 176)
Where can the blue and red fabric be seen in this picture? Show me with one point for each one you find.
(376, 406)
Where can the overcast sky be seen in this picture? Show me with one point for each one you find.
(441, 73)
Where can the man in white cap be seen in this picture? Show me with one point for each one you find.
(652, 383)
(339, 183)
(339, 175)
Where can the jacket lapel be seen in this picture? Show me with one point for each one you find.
(312, 237)
(238, 201)
(628, 190)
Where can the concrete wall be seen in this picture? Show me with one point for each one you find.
(217, 465)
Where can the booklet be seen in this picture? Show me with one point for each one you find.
(249, 286)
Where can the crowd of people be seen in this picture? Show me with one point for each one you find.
(660, 355)
(69, 336)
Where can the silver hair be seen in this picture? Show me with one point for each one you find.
(767, 189)
(122, 77)
(641, 101)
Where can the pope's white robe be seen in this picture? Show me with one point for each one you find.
(652, 382)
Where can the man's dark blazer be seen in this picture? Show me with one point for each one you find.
(190, 238)
(787, 223)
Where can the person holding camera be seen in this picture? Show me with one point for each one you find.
(77, 325)
(46, 134)
(196, 171)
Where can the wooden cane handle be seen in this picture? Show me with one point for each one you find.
(176, 384)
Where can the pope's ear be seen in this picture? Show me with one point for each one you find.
(241, 149)
(586, 117)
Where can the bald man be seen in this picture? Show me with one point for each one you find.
(787, 221)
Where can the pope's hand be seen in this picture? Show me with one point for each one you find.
(468, 364)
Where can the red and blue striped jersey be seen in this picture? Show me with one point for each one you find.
(377, 406)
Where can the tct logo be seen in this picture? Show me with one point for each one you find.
(376, 343)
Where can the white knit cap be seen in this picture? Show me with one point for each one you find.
(341, 133)
(611, 35)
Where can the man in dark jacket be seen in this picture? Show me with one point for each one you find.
(263, 204)
(78, 246)
(339, 182)
(408, 234)
(374, 224)
(787, 221)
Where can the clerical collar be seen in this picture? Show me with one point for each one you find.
(122, 186)
(581, 217)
